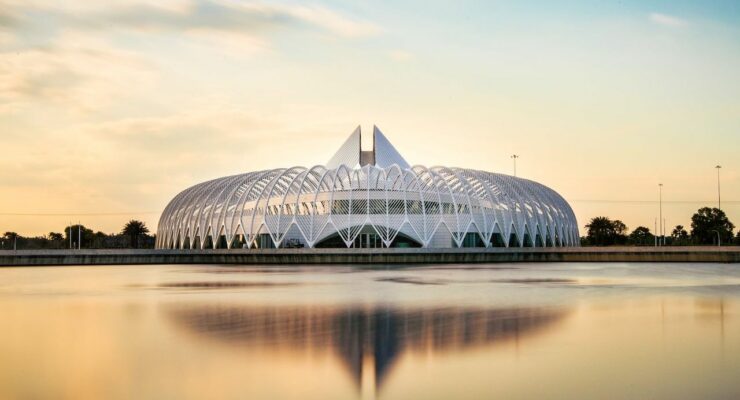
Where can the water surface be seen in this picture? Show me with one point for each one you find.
(515, 331)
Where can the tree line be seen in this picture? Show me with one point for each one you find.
(133, 235)
(708, 226)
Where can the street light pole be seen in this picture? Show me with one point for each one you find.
(660, 207)
(719, 197)
(514, 156)
(656, 232)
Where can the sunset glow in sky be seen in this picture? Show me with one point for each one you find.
(109, 108)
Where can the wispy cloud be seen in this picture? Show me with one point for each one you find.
(332, 21)
(667, 20)
(79, 72)
(247, 17)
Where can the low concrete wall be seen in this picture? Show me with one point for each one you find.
(371, 256)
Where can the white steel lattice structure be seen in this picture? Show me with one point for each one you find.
(367, 199)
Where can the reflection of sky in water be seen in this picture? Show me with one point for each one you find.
(473, 331)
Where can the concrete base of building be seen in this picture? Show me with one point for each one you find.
(728, 254)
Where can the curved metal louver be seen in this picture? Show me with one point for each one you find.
(319, 202)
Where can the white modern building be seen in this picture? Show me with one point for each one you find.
(367, 199)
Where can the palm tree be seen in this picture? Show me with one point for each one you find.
(134, 229)
(679, 235)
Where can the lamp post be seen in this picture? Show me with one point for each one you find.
(660, 208)
(656, 232)
(514, 156)
(719, 196)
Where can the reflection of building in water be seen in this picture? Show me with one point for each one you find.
(355, 334)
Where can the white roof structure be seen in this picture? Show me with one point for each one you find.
(383, 153)
(367, 199)
(349, 153)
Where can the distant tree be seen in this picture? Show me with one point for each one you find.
(620, 229)
(602, 231)
(78, 233)
(9, 240)
(707, 223)
(737, 238)
(134, 230)
(641, 236)
(679, 236)
(55, 237)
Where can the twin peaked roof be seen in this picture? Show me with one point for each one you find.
(382, 155)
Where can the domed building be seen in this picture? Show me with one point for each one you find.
(367, 199)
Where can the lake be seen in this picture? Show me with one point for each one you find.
(511, 331)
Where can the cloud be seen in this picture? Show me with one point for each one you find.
(77, 71)
(246, 17)
(81, 52)
(667, 20)
(332, 21)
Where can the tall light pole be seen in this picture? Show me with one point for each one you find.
(656, 232)
(660, 208)
(514, 156)
(719, 197)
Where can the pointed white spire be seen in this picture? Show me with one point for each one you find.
(349, 153)
(385, 154)
(382, 155)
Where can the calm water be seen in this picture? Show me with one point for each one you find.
(528, 331)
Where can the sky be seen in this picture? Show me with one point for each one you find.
(109, 108)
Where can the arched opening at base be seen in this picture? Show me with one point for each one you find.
(238, 242)
(368, 238)
(471, 239)
(263, 241)
(527, 240)
(497, 240)
(548, 241)
(538, 241)
(513, 240)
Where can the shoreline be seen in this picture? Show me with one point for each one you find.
(700, 254)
